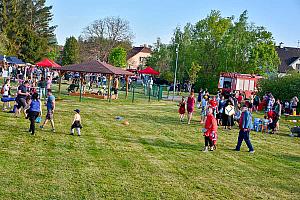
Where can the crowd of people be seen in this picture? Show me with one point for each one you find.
(29, 98)
(229, 109)
(222, 110)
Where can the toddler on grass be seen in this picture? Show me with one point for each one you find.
(76, 123)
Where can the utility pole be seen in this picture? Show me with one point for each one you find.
(176, 65)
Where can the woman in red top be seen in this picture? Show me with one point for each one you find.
(210, 131)
(181, 109)
(190, 106)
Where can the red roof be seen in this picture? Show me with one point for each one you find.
(149, 70)
(48, 63)
(96, 67)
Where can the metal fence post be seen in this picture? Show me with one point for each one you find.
(133, 87)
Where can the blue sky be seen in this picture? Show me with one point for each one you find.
(150, 19)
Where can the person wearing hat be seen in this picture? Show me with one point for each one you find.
(76, 123)
(245, 127)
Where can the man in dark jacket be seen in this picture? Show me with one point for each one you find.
(245, 127)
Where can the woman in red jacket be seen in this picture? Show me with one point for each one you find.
(210, 131)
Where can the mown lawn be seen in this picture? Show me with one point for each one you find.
(155, 157)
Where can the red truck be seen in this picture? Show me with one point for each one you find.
(246, 83)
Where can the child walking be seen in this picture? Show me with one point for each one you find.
(76, 123)
(181, 109)
(265, 124)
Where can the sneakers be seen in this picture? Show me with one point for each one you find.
(41, 127)
(251, 151)
(53, 130)
(205, 149)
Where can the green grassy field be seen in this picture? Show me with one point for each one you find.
(154, 157)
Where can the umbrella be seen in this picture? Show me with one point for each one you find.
(149, 71)
(48, 63)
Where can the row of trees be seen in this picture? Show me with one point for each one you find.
(213, 45)
(25, 29)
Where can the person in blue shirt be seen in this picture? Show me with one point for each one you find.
(245, 127)
(50, 110)
(34, 111)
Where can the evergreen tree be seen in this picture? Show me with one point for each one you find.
(26, 24)
(71, 51)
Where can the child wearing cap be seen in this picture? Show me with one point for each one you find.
(76, 123)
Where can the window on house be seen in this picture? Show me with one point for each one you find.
(298, 67)
(142, 59)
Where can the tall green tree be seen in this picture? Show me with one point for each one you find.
(221, 44)
(160, 59)
(26, 24)
(71, 51)
(117, 57)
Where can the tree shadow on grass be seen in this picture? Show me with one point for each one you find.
(158, 143)
(291, 158)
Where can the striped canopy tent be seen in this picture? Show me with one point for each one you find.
(97, 67)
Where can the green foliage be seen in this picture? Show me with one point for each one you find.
(117, 57)
(161, 60)
(3, 44)
(265, 58)
(207, 80)
(283, 88)
(71, 51)
(54, 53)
(167, 75)
(219, 44)
(26, 26)
(34, 48)
(193, 72)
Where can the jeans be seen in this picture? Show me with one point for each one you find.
(244, 135)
